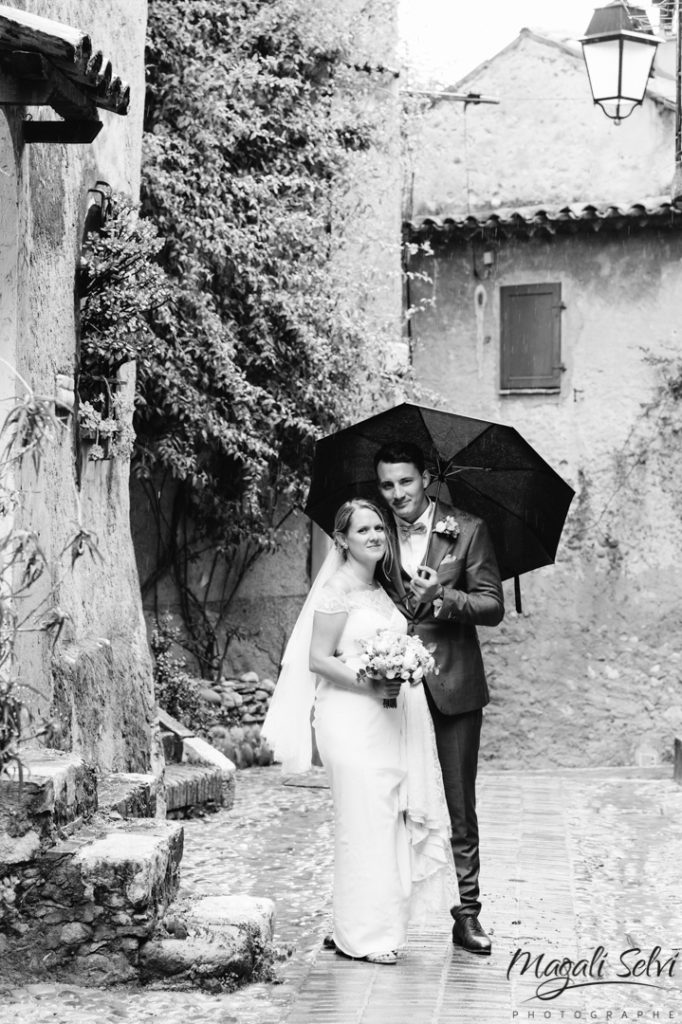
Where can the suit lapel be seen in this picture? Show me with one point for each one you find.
(439, 546)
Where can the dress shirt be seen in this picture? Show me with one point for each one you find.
(413, 548)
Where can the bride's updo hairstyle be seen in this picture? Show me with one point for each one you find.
(342, 523)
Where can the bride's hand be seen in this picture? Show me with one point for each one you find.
(387, 689)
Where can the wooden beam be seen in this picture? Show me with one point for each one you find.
(23, 92)
(116, 98)
(20, 30)
(66, 132)
(38, 82)
(94, 73)
(68, 99)
(23, 80)
(99, 70)
(75, 87)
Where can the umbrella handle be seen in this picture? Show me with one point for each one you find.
(517, 594)
(435, 503)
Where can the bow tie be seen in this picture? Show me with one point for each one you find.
(407, 529)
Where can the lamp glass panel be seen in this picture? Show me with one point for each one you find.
(637, 61)
(618, 109)
(602, 60)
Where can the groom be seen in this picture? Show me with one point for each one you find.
(444, 595)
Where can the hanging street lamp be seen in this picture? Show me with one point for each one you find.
(619, 47)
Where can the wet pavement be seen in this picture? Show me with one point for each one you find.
(581, 877)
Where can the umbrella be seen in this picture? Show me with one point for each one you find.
(488, 468)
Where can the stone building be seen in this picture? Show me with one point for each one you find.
(545, 291)
(97, 681)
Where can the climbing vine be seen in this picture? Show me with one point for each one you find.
(248, 345)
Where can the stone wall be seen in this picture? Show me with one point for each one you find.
(99, 687)
(235, 712)
(589, 674)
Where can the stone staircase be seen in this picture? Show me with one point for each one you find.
(88, 875)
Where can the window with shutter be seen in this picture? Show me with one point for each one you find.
(530, 337)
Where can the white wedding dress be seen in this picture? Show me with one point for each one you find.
(392, 853)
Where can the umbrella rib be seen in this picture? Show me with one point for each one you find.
(475, 440)
(544, 468)
(504, 469)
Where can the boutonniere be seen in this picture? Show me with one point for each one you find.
(448, 527)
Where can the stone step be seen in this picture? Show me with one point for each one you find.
(54, 790)
(128, 794)
(84, 907)
(218, 942)
(193, 787)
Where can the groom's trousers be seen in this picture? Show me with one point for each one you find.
(458, 740)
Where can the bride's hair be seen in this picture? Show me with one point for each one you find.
(342, 519)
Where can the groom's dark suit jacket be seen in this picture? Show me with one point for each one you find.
(467, 568)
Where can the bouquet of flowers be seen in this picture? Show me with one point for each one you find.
(397, 656)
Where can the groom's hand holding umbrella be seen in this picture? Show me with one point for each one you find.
(425, 587)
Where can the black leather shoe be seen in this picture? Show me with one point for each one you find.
(468, 934)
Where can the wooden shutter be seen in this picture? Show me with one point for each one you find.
(530, 333)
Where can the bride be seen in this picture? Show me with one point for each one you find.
(392, 856)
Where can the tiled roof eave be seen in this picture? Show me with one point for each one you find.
(34, 47)
(524, 223)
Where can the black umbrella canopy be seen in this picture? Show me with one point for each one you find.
(488, 468)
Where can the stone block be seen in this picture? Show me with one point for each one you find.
(18, 849)
(245, 913)
(56, 789)
(102, 969)
(228, 942)
(226, 964)
(171, 724)
(198, 751)
(172, 747)
(74, 933)
(191, 787)
(131, 795)
(136, 863)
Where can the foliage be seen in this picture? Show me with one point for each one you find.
(28, 428)
(255, 355)
(669, 389)
(120, 286)
(176, 691)
(248, 344)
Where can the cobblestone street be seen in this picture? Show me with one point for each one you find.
(573, 862)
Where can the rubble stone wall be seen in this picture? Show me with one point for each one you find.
(235, 710)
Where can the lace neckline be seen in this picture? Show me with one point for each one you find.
(358, 583)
